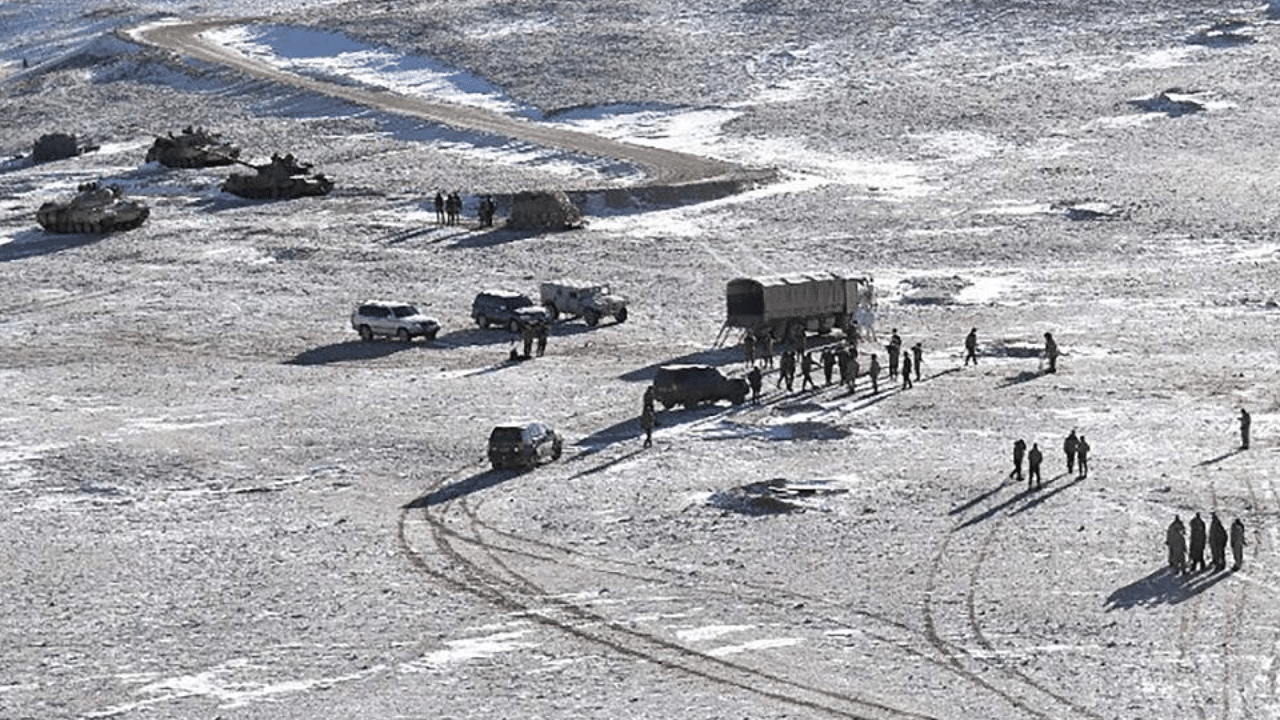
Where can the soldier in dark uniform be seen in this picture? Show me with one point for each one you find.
(749, 347)
(842, 364)
(1175, 539)
(754, 379)
(766, 348)
(806, 372)
(540, 334)
(1069, 446)
(894, 348)
(787, 369)
(646, 422)
(1237, 543)
(1019, 450)
(874, 371)
(917, 354)
(1217, 543)
(1195, 558)
(853, 374)
(906, 371)
(828, 363)
(1034, 458)
(439, 208)
(1082, 457)
(1245, 421)
(971, 347)
(526, 335)
(1051, 352)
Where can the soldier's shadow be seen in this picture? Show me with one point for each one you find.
(1161, 587)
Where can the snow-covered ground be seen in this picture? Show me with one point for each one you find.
(221, 504)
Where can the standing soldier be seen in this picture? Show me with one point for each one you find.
(1051, 352)
(1175, 538)
(971, 347)
(828, 363)
(787, 369)
(439, 207)
(648, 399)
(853, 374)
(1237, 543)
(894, 348)
(749, 347)
(917, 354)
(1069, 446)
(906, 370)
(1019, 450)
(1034, 458)
(842, 364)
(874, 371)
(806, 372)
(754, 379)
(1082, 457)
(540, 333)
(1217, 542)
(1195, 561)
(646, 422)
(766, 348)
(1245, 421)
(526, 335)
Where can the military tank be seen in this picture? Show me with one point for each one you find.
(94, 209)
(192, 148)
(283, 178)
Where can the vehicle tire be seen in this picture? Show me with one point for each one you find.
(553, 312)
(621, 315)
(403, 335)
(555, 451)
(429, 336)
(483, 322)
(592, 317)
(667, 404)
(513, 327)
(365, 333)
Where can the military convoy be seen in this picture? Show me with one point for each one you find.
(590, 301)
(94, 209)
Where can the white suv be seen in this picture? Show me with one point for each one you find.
(392, 319)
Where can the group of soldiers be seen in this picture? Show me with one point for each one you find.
(1051, 351)
(838, 362)
(1186, 554)
(1074, 447)
(448, 208)
(531, 333)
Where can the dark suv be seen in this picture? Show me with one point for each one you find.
(507, 309)
(691, 385)
(523, 445)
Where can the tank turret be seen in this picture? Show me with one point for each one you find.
(193, 147)
(281, 179)
(94, 209)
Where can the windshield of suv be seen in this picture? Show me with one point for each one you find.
(404, 310)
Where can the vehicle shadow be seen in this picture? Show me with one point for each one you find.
(37, 242)
(630, 429)
(462, 488)
(351, 350)
(714, 356)
(1162, 587)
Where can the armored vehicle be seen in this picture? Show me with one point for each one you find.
(192, 148)
(281, 179)
(507, 309)
(95, 209)
(587, 300)
(691, 385)
(523, 445)
(817, 301)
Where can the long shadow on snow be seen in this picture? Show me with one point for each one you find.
(630, 428)
(350, 350)
(1162, 587)
(1220, 458)
(34, 243)
(714, 356)
(1032, 498)
(462, 488)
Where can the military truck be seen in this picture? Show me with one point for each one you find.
(590, 301)
(813, 302)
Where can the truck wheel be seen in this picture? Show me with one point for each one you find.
(483, 322)
(552, 311)
(365, 333)
(513, 327)
(403, 335)
(621, 315)
(591, 316)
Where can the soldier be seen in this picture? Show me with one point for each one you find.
(648, 399)
(894, 348)
(1237, 543)
(1069, 446)
(1082, 457)
(767, 348)
(806, 372)
(853, 374)
(1034, 458)
(842, 364)
(754, 379)
(874, 371)
(526, 335)
(541, 334)
(906, 371)
(1176, 540)
(646, 422)
(828, 363)
(1195, 560)
(917, 354)
(787, 369)
(971, 347)
(439, 207)
(749, 347)
(1051, 352)
(1217, 543)
(1245, 421)
(1019, 450)
(799, 340)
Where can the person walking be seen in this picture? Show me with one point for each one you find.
(917, 356)
(1034, 458)
(749, 348)
(874, 371)
(1195, 559)
(754, 379)
(1082, 457)
(806, 372)
(1237, 543)
(971, 347)
(1175, 539)
(906, 371)
(1069, 447)
(1051, 352)
(1019, 450)
(765, 343)
(646, 422)
(842, 364)
(828, 363)
(1245, 421)
(787, 368)
(894, 348)
(1217, 543)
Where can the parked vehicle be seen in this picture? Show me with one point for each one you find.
(691, 385)
(589, 301)
(816, 302)
(382, 318)
(523, 445)
(507, 309)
